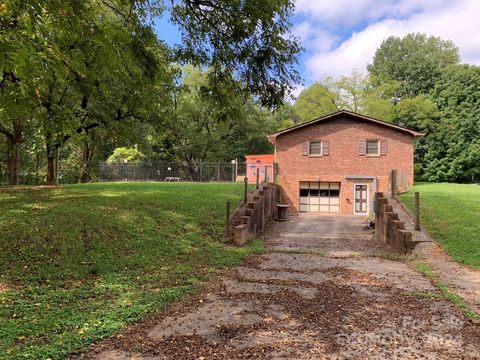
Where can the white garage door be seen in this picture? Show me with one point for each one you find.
(319, 196)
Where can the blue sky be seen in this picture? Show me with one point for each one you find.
(342, 35)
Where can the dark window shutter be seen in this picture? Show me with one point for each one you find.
(325, 147)
(362, 147)
(306, 148)
(383, 147)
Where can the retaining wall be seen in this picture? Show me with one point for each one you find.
(252, 218)
(388, 228)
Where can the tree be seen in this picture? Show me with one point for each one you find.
(121, 154)
(315, 101)
(212, 122)
(454, 146)
(416, 61)
(69, 68)
(22, 52)
(249, 40)
(351, 91)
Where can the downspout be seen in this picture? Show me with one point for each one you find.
(364, 177)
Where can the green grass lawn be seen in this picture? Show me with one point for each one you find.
(79, 262)
(451, 213)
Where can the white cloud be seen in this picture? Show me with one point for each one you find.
(315, 38)
(341, 13)
(454, 21)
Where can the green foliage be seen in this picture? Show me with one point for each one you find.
(213, 123)
(315, 101)
(449, 212)
(68, 68)
(415, 61)
(454, 146)
(249, 39)
(121, 154)
(85, 264)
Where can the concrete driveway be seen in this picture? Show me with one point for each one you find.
(314, 295)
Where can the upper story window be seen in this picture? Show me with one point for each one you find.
(373, 147)
(315, 147)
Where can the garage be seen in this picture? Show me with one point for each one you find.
(320, 196)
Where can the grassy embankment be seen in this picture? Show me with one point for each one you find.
(79, 262)
(451, 214)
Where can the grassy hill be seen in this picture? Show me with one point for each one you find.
(79, 262)
(451, 213)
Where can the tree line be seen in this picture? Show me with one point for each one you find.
(81, 78)
(417, 82)
(87, 81)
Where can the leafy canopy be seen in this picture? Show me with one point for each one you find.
(415, 61)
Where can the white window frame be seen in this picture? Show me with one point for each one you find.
(309, 147)
(378, 147)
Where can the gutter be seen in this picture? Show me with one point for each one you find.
(365, 177)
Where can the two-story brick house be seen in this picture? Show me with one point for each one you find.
(336, 163)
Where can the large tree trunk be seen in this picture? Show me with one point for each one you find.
(12, 162)
(13, 153)
(87, 155)
(37, 168)
(51, 150)
(50, 169)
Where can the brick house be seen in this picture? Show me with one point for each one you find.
(336, 163)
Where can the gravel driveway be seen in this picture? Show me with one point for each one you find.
(315, 295)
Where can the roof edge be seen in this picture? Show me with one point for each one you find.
(272, 137)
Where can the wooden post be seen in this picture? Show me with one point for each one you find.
(393, 182)
(417, 211)
(266, 169)
(256, 187)
(227, 215)
(245, 182)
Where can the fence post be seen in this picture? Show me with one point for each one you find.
(201, 171)
(227, 215)
(245, 182)
(417, 211)
(393, 181)
(266, 169)
(256, 186)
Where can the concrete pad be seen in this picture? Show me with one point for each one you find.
(293, 305)
(207, 319)
(236, 287)
(269, 275)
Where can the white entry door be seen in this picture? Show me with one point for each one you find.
(361, 198)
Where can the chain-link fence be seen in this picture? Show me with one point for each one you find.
(201, 172)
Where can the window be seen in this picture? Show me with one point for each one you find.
(372, 147)
(315, 147)
(303, 192)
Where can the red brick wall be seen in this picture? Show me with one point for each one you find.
(344, 160)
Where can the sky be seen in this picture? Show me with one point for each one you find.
(342, 35)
